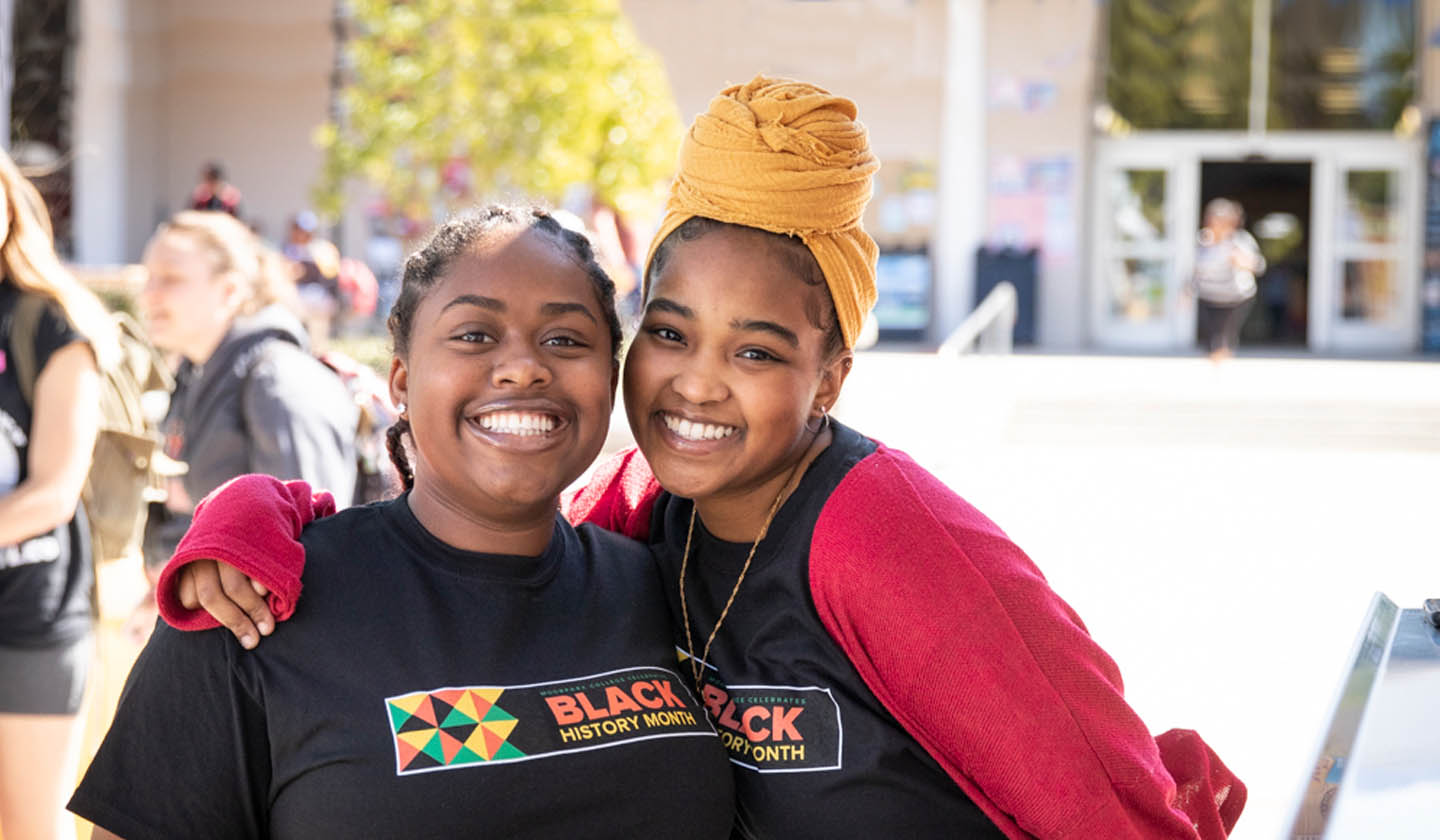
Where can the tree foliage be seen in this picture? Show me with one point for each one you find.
(444, 101)
(1179, 64)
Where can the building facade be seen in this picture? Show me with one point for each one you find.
(1076, 139)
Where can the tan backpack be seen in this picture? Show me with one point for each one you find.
(123, 479)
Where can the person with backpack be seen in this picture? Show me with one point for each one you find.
(46, 578)
(249, 396)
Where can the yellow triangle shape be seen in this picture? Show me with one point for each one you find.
(503, 728)
(466, 705)
(417, 738)
(410, 702)
(476, 743)
(490, 694)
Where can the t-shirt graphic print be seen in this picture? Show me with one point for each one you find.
(448, 728)
(423, 691)
(774, 728)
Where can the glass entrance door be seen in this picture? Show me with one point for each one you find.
(1369, 302)
(1142, 220)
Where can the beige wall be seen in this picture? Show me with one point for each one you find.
(1040, 69)
(196, 80)
(887, 55)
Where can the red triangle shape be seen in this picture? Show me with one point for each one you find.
(449, 695)
(426, 712)
(405, 752)
(492, 742)
(450, 745)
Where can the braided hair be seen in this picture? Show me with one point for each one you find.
(458, 235)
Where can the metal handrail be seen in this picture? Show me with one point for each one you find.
(990, 328)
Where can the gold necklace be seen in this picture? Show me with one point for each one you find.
(696, 667)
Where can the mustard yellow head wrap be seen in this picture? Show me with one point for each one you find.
(790, 158)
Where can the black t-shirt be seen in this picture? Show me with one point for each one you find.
(423, 691)
(815, 753)
(45, 580)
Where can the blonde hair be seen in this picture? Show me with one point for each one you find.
(232, 247)
(29, 261)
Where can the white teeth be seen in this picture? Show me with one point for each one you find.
(518, 423)
(697, 431)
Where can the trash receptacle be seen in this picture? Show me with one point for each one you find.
(1020, 268)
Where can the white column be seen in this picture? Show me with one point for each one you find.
(961, 213)
(102, 81)
(7, 67)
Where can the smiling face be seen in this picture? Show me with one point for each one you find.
(509, 378)
(727, 368)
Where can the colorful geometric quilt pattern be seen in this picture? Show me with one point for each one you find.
(450, 728)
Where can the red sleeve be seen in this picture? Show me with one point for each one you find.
(252, 523)
(960, 637)
(619, 496)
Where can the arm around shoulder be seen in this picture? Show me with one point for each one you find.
(252, 523)
(619, 496)
(960, 637)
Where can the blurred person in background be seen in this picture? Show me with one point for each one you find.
(385, 254)
(46, 577)
(1227, 260)
(316, 264)
(249, 396)
(214, 192)
(620, 252)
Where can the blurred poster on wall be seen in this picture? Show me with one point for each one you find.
(1430, 285)
(903, 280)
(901, 218)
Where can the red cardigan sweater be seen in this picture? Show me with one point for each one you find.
(912, 583)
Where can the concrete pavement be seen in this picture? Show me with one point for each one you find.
(1220, 529)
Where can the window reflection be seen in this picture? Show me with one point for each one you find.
(1179, 64)
(1341, 64)
(1369, 293)
(1186, 64)
(1137, 289)
(1137, 198)
(1370, 206)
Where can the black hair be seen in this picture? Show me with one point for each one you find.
(214, 171)
(458, 235)
(819, 309)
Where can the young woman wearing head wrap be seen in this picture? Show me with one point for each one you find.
(880, 659)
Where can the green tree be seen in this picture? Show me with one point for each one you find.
(444, 101)
(1179, 64)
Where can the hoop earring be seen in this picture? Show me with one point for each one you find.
(820, 426)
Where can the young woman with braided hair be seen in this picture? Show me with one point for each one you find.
(522, 683)
(880, 659)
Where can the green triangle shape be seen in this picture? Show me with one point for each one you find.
(466, 756)
(456, 718)
(434, 749)
(507, 750)
(398, 716)
(497, 713)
